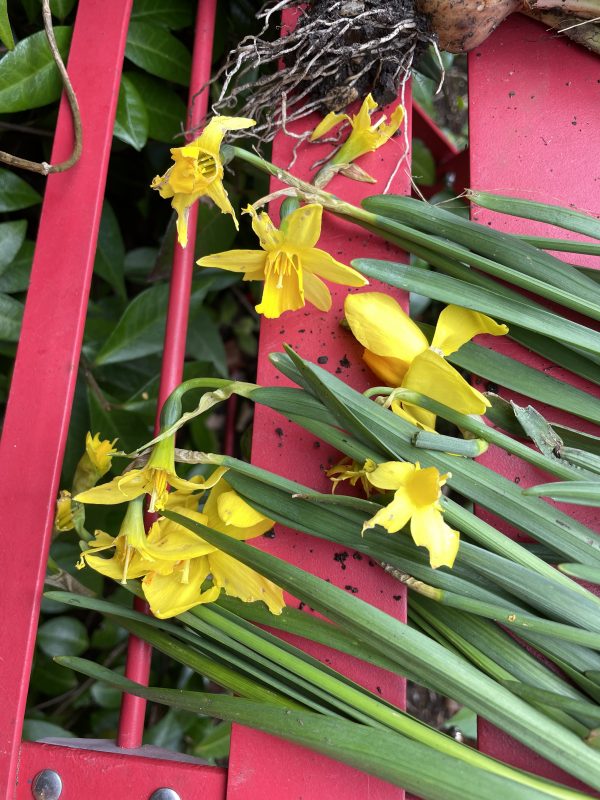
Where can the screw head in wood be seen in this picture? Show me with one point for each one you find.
(46, 785)
(164, 794)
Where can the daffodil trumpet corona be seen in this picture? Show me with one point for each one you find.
(289, 263)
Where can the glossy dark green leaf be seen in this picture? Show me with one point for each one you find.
(131, 121)
(62, 8)
(204, 342)
(36, 729)
(116, 423)
(12, 236)
(422, 164)
(139, 264)
(28, 75)
(16, 277)
(11, 315)
(216, 231)
(215, 744)
(173, 14)
(15, 193)
(63, 636)
(166, 111)
(6, 34)
(158, 52)
(48, 678)
(110, 251)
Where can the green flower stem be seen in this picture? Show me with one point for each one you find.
(390, 717)
(478, 427)
(469, 448)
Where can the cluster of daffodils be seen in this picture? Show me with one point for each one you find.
(179, 570)
(290, 264)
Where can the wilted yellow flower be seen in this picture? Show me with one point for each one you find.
(398, 352)
(365, 135)
(154, 479)
(349, 470)
(198, 171)
(94, 463)
(176, 563)
(289, 263)
(416, 498)
(63, 520)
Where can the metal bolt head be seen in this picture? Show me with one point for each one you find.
(46, 785)
(164, 794)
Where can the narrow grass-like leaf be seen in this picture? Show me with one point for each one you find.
(450, 290)
(502, 247)
(583, 493)
(388, 755)
(440, 669)
(567, 218)
(563, 245)
(581, 572)
(535, 695)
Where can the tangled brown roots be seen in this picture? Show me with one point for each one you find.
(338, 52)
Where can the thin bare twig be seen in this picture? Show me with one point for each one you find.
(42, 167)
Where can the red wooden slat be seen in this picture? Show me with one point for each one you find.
(39, 406)
(112, 776)
(260, 765)
(139, 654)
(534, 133)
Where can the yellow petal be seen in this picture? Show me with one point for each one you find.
(327, 124)
(380, 325)
(212, 509)
(269, 237)
(457, 325)
(169, 541)
(390, 370)
(424, 486)
(363, 118)
(212, 136)
(415, 415)
(429, 530)
(181, 203)
(391, 474)
(216, 191)
(168, 595)
(238, 580)
(388, 129)
(120, 490)
(321, 263)
(431, 375)
(316, 292)
(250, 262)
(395, 515)
(302, 227)
(282, 292)
(233, 510)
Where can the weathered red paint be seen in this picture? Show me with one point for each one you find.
(139, 654)
(43, 383)
(534, 134)
(116, 776)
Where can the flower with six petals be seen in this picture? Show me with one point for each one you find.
(398, 352)
(365, 135)
(416, 498)
(289, 263)
(198, 171)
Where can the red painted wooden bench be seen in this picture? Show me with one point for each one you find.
(532, 106)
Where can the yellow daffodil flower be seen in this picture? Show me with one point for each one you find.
(365, 135)
(198, 171)
(398, 352)
(175, 562)
(289, 263)
(63, 520)
(416, 498)
(94, 463)
(154, 479)
(348, 470)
